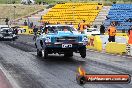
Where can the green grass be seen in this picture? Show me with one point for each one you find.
(9, 1)
(7, 10)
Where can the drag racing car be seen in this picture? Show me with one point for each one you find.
(61, 39)
(6, 33)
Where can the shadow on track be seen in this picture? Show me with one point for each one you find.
(60, 59)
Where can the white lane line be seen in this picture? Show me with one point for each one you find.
(9, 77)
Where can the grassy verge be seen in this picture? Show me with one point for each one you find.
(9, 1)
(8, 10)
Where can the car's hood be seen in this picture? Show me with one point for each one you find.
(67, 33)
(63, 33)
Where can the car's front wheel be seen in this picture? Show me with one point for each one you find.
(83, 52)
(45, 53)
(13, 39)
(39, 53)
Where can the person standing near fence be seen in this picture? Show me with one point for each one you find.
(16, 31)
(31, 24)
(112, 32)
(25, 23)
(35, 30)
(81, 26)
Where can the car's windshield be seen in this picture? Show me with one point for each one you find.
(53, 29)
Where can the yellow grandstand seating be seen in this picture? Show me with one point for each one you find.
(72, 12)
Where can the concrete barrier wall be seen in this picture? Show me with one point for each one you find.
(100, 42)
(119, 34)
(27, 30)
(95, 43)
(118, 47)
(115, 48)
(118, 39)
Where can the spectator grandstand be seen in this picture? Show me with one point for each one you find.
(73, 12)
(94, 14)
(121, 14)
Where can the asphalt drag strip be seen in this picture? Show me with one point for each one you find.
(30, 71)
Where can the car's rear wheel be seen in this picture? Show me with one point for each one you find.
(68, 54)
(83, 52)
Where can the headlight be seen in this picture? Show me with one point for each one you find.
(48, 39)
(85, 39)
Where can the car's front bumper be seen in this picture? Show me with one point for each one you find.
(60, 45)
(57, 48)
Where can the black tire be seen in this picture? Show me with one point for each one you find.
(0, 39)
(45, 53)
(83, 52)
(35, 45)
(13, 39)
(39, 53)
(68, 54)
